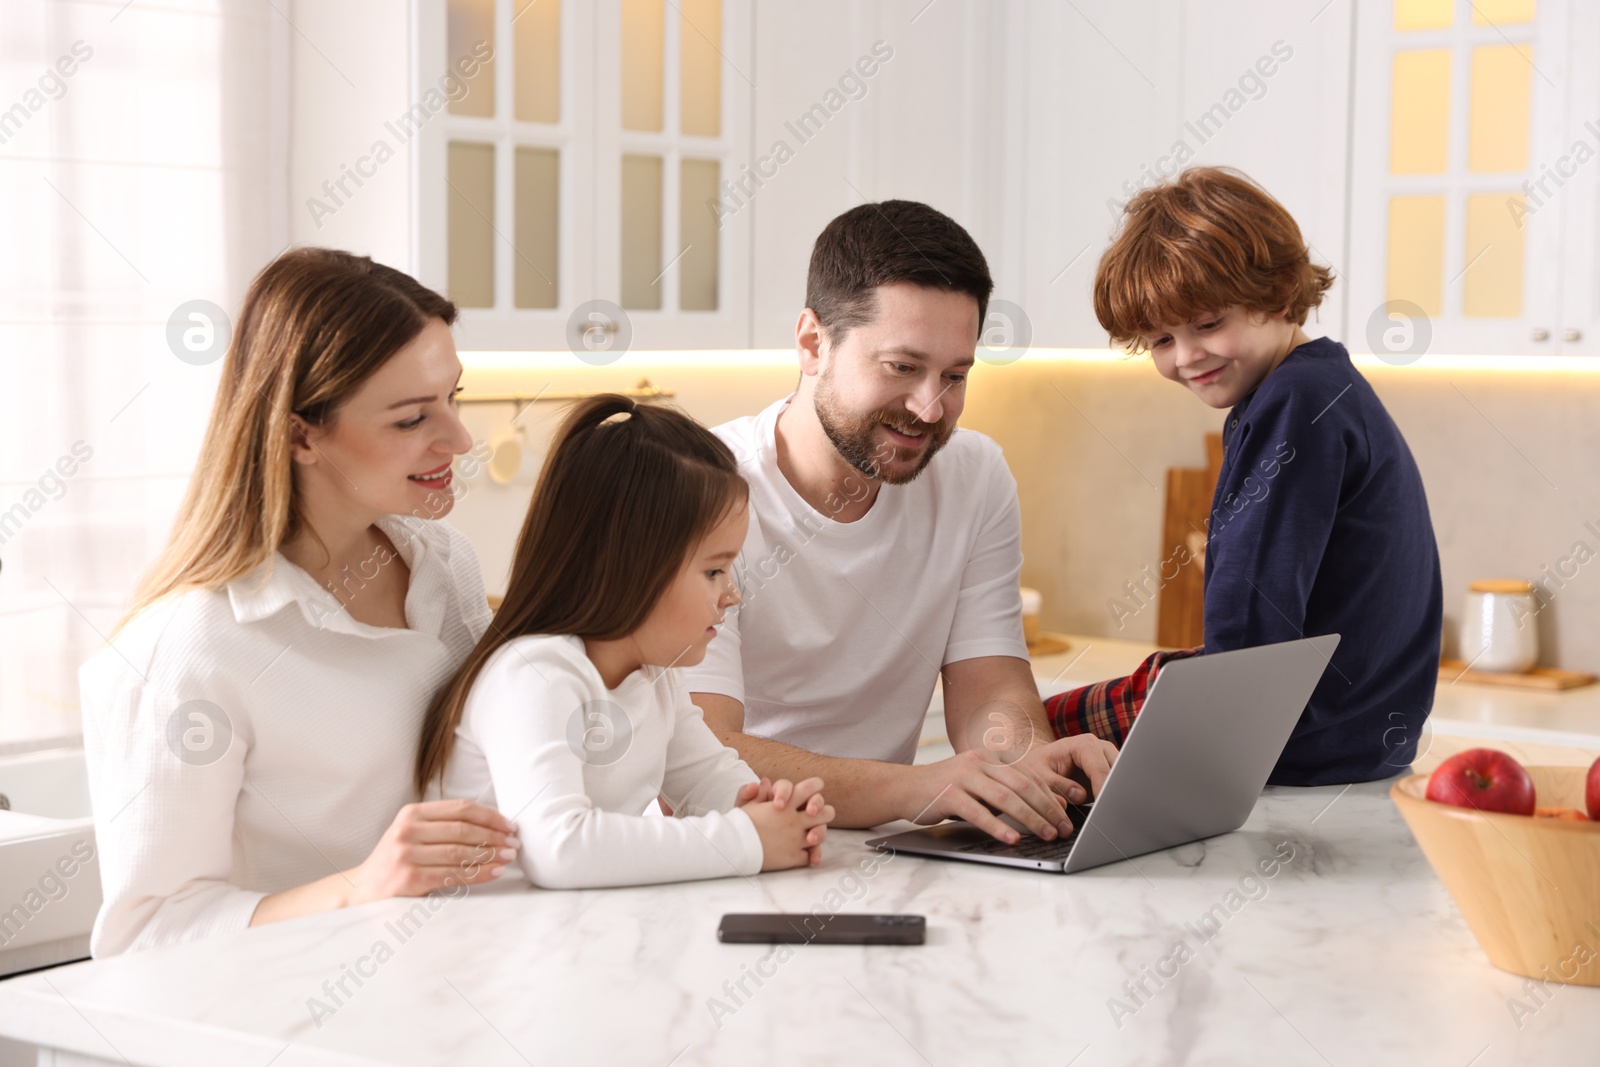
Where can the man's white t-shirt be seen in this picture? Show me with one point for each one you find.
(845, 626)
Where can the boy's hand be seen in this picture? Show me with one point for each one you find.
(1071, 763)
(791, 830)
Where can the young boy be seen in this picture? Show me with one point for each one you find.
(1319, 523)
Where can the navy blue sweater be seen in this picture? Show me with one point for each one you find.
(1320, 525)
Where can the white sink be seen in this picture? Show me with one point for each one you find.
(49, 867)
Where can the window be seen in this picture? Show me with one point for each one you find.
(132, 202)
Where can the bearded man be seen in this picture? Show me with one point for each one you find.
(885, 551)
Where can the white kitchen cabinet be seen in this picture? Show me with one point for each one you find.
(1579, 318)
(1030, 123)
(547, 199)
(1474, 177)
(1019, 120)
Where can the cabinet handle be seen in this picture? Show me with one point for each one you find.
(1569, 334)
(1540, 334)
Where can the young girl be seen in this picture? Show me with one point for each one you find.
(568, 716)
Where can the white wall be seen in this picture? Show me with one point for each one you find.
(350, 75)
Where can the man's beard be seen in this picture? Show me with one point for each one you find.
(853, 436)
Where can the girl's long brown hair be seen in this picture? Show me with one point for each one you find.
(315, 324)
(627, 493)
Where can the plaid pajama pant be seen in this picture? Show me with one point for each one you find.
(1107, 709)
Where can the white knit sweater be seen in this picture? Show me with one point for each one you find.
(573, 764)
(301, 755)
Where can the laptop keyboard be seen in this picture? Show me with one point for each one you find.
(1030, 846)
(1035, 848)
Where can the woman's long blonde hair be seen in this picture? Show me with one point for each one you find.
(315, 324)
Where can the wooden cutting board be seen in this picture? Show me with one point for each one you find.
(1547, 678)
(1180, 611)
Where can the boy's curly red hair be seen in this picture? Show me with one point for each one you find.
(1209, 239)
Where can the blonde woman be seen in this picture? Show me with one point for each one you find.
(252, 727)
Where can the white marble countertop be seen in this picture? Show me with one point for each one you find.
(1351, 953)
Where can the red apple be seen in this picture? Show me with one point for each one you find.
(1591, 792)
(1484, 779)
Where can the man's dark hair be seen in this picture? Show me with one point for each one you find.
(891, 241)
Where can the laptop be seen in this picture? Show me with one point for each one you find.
(1192, 766)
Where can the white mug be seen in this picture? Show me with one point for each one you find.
(1498, 628)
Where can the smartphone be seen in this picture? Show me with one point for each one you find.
(801, 928)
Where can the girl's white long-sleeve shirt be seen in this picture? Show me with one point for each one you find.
(245, 740)
(575, 765)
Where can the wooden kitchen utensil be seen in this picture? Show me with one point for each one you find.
(1180, 611)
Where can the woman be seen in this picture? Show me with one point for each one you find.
(252, 728)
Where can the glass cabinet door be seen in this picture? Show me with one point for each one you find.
(582, 160)
(1460, 109)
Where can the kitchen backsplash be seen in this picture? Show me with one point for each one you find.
(1508, 458)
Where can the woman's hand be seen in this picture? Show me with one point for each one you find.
(792, 822)
(434, 844)
(429, 846)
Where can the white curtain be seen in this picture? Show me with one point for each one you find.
(143, 165)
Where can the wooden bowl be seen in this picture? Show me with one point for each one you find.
(1528, 887)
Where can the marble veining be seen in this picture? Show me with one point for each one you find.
(1348, 952)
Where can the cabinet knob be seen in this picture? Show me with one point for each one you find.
(1540, 334)
(1569, 334)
